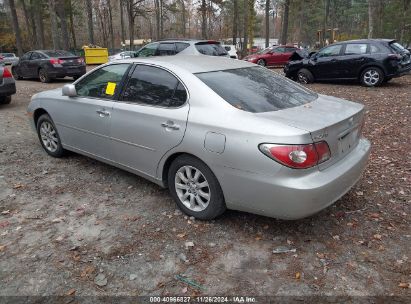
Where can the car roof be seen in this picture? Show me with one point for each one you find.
(192, 63)
(185, 40)
(367, 40)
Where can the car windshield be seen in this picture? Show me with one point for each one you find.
(58, 53)
(7, 55)
(257, 89)
(397, 47)
(211, 49)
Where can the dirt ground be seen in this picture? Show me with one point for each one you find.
(77, 226)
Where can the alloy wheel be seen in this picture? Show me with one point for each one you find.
(49, 136)
(302, 78)
(371, 77)
(192, 188)
(42, 76)
(261, 62)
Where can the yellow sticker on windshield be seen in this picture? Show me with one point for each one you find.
(111, 87)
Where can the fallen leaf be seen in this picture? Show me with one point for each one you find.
(404, 285)
(377, 236)
(2, 248)
(298, 275)
(70, 292)
(181, 235)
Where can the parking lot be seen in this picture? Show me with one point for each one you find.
(77, 226)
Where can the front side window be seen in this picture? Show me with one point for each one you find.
(181, 46)
(279, 50)
(154, 86)
(257, 89)
(26, 56)
(148, 50)
(355, 49)
(166, 49)
(35, 56)
(333, 50)
(102, 83)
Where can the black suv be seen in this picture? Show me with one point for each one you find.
(371, 61)
(48, 65)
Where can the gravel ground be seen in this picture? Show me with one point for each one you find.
(77, 226)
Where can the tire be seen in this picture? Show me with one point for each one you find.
(5, 100)
(305, 76)
(205, 200)
(261, 62)
(372, 77)
(15, 74)
(49, 137)
(44, 76)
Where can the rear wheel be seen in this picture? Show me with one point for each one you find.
(261, 62)
(195, 188)
(372, 77)
(5, 99)
(305, 76)
(15, 74)
(49, 137)
(44, 76)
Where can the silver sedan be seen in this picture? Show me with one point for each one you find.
(218, 133)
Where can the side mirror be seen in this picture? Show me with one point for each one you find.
(69, 90)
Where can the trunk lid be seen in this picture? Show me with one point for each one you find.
(70, 61)
(330, 119)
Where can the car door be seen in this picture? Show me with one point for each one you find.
(33, 64)
(355, 55)
(149, 119)
(325, 64)
(23, 65)
(84, 121)
(276, 56)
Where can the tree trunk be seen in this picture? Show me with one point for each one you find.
(28, 26)
(325, 23)
(267, 23)
(245, 29)
(63, 24)
(16, 27)
(73, 32)
(203, 19)
(89, 9)
(131, 18)
(38, 18)
(157, 10)
(123, 34)
(110, 16)
(235, 22)
(370, 19)
(33, 25)
(54, 25)
(183, 16)
(405, 13)
(284, 31)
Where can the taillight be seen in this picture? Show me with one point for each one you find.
(56, 61)
(298, 156)
(80, 60)
(7, 74)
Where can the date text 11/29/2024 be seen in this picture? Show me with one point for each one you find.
(203, 299)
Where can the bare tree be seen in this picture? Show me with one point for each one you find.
(267, 23)
(55, 36)
(73, 32)
(235, 21)
(63, 24)
(110, 16)
(284, 31)
(29, 28)
(245, 29)
(203, 10)
(122, 31)
(37, 6)
(89, 8)
(16, 27)
(134, 8)
(371, 20)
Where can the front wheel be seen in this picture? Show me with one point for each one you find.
(195, 188)
(261, 62)
(49, 137)
(372, 77)
(15, 74)
(305, 76)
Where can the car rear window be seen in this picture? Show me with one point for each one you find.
(257, 89)
(210, 49)
(58, 53)
(8, 55)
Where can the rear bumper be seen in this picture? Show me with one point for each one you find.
(7, 89)
(401, 71)
(66, 71)
(293, 197)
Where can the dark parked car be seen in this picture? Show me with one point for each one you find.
(371, 61)
(7, 85)
(272, 56)
(48, 65)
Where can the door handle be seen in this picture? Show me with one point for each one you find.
(103, 113)
(170, 125)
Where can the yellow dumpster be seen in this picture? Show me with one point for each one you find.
(95, 55)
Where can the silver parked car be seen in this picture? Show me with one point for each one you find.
(219, 133)
(8, 58)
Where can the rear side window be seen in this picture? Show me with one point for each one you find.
(210, 49)
(355, 49)
(375, 49)
(35, 56)
(154, 86)
(290, 50)
(256, 89)
(181, 46)
(102, 83)
(166, 49)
